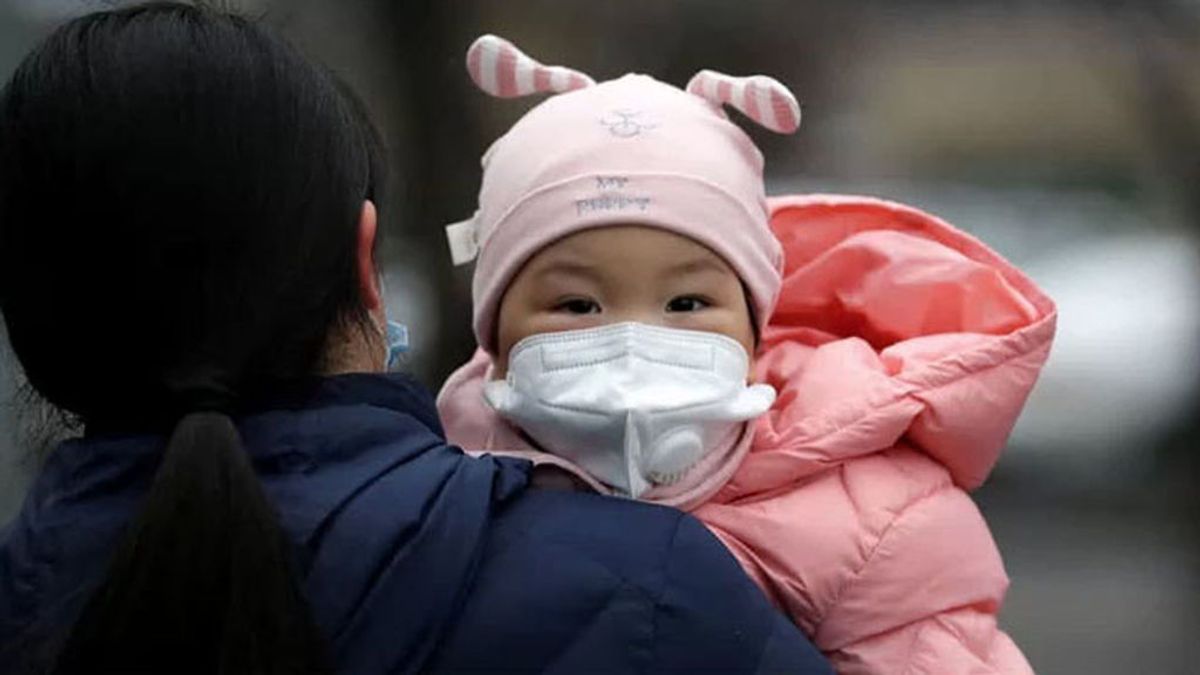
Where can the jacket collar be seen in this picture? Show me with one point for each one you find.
(392, 391)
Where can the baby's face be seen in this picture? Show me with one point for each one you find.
(623, 273)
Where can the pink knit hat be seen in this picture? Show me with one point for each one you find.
(627, 151)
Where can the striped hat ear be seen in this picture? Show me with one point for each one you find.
(761, 98)
(499, 68)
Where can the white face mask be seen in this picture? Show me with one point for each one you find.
(633, 405)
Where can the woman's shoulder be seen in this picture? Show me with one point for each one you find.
(590, 524)
(572, 582)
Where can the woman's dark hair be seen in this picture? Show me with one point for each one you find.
(179, 198)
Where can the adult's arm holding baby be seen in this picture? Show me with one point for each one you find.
(689, 605)
(579, 583)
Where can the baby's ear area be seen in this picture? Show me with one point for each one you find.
(500, 69)
(763, 99)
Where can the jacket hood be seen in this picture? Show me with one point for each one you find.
(892, 325)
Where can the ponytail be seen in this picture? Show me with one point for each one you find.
(203, 580)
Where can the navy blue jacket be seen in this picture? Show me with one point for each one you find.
(416, 557)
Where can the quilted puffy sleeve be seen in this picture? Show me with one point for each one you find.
(926, 599)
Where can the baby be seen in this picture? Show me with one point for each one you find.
(641, 332)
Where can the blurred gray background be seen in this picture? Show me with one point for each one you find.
(1065, 134)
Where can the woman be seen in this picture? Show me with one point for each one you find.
(187, 227)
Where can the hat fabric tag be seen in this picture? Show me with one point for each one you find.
(463, 238)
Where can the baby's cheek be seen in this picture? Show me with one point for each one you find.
(730, 323)
(721, 321)
(556, 322)
(516, 327)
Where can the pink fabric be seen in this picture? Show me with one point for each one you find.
(781, 115)
(903, 351)
(630, 150)
(499, 68)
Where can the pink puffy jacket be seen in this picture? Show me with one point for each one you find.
(902, 350)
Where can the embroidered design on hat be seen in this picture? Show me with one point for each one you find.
(611, 202)
(626, 123)
(612, 197)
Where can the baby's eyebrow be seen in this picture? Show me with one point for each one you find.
(569, 269)
(697, 266)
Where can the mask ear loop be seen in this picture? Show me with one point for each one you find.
(393, 334)
(763, 99)
(497, 67)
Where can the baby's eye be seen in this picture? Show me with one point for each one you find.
(686, 303)
(578, 306)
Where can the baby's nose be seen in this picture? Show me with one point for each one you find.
(643, 315)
